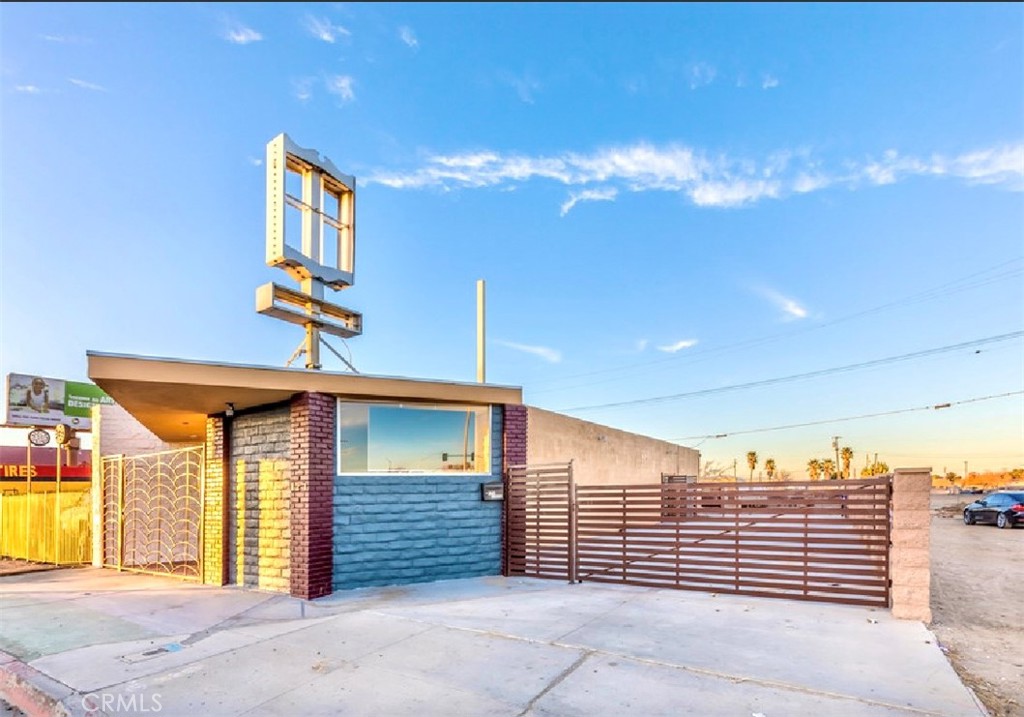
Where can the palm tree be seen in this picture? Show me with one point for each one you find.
(828, 468)
(847, 456)
(769, 468)
(752, 462)
(814, 469)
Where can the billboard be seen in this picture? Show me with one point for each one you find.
(40, 401)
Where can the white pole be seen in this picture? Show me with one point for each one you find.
(481, 330)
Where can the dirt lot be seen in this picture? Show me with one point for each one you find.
(977, 612)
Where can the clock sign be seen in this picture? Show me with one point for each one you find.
(38, 437)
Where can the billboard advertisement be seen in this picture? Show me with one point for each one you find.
(40, 401)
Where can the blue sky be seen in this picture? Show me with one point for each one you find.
(674, 206)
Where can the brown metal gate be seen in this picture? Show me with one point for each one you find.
(822, 541)
(539, 525)
(153, 512)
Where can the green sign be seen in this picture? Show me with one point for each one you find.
(79, 398)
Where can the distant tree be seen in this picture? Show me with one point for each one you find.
(814, 469)
(752, 462)
(828, 469)
(847, 455)
(784, 475)
(875, 469)
(951, 477)
(769, 468)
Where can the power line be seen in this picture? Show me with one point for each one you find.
(964, 283)
(799, 376)
(934, 407)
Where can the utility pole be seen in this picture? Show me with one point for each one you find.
(735, 476)
(965, 470)
(835, 445)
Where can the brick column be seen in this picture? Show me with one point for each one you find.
(312, 494)
(909, 556)
(515, 438)
(214, 513)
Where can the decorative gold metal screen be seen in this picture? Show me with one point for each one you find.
(153, 512)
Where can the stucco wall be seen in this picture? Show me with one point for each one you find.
(114, 432)
(396, 529)
(603, 455)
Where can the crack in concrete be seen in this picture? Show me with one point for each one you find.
(558, 679)
(733, 678)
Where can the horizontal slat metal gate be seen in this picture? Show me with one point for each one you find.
(822, 541)
(539, 540)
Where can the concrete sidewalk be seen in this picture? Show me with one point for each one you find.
(88, 641)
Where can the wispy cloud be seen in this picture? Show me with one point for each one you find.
(323, 29)
(408, 36)
(732, 192)
(548, 354)
(239, 34)
(302, 88)
(1002, 165)
(525, 86)
(790, 308)
(341, 86)
(678, 346)
(28, 89)
(701, 74)
(87, 85)
(607, 194)
(255, 161)
(66, 39)
(641, 345)
(707, 179)
(769, 81)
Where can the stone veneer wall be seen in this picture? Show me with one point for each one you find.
(259, 531)
(396, 529)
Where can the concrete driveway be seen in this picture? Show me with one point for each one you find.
(89, 641)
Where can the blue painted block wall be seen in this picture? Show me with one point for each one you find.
(399, 529)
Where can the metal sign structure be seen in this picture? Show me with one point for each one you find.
(322, 215)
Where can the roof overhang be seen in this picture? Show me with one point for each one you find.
(173, 397)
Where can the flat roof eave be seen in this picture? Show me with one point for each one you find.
(172, 397)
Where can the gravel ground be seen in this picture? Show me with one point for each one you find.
(976, 604)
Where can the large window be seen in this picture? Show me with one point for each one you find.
(413, 438)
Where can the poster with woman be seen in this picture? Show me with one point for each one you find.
(41, 401)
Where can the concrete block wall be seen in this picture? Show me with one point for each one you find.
(397, 529)
(909, 555)
(259, 531)
(603, 455)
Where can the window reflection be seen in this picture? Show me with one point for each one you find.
(404, 438)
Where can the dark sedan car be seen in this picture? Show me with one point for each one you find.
(1004, 509)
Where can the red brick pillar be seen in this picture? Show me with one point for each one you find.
(312, 495)
(515, 435)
